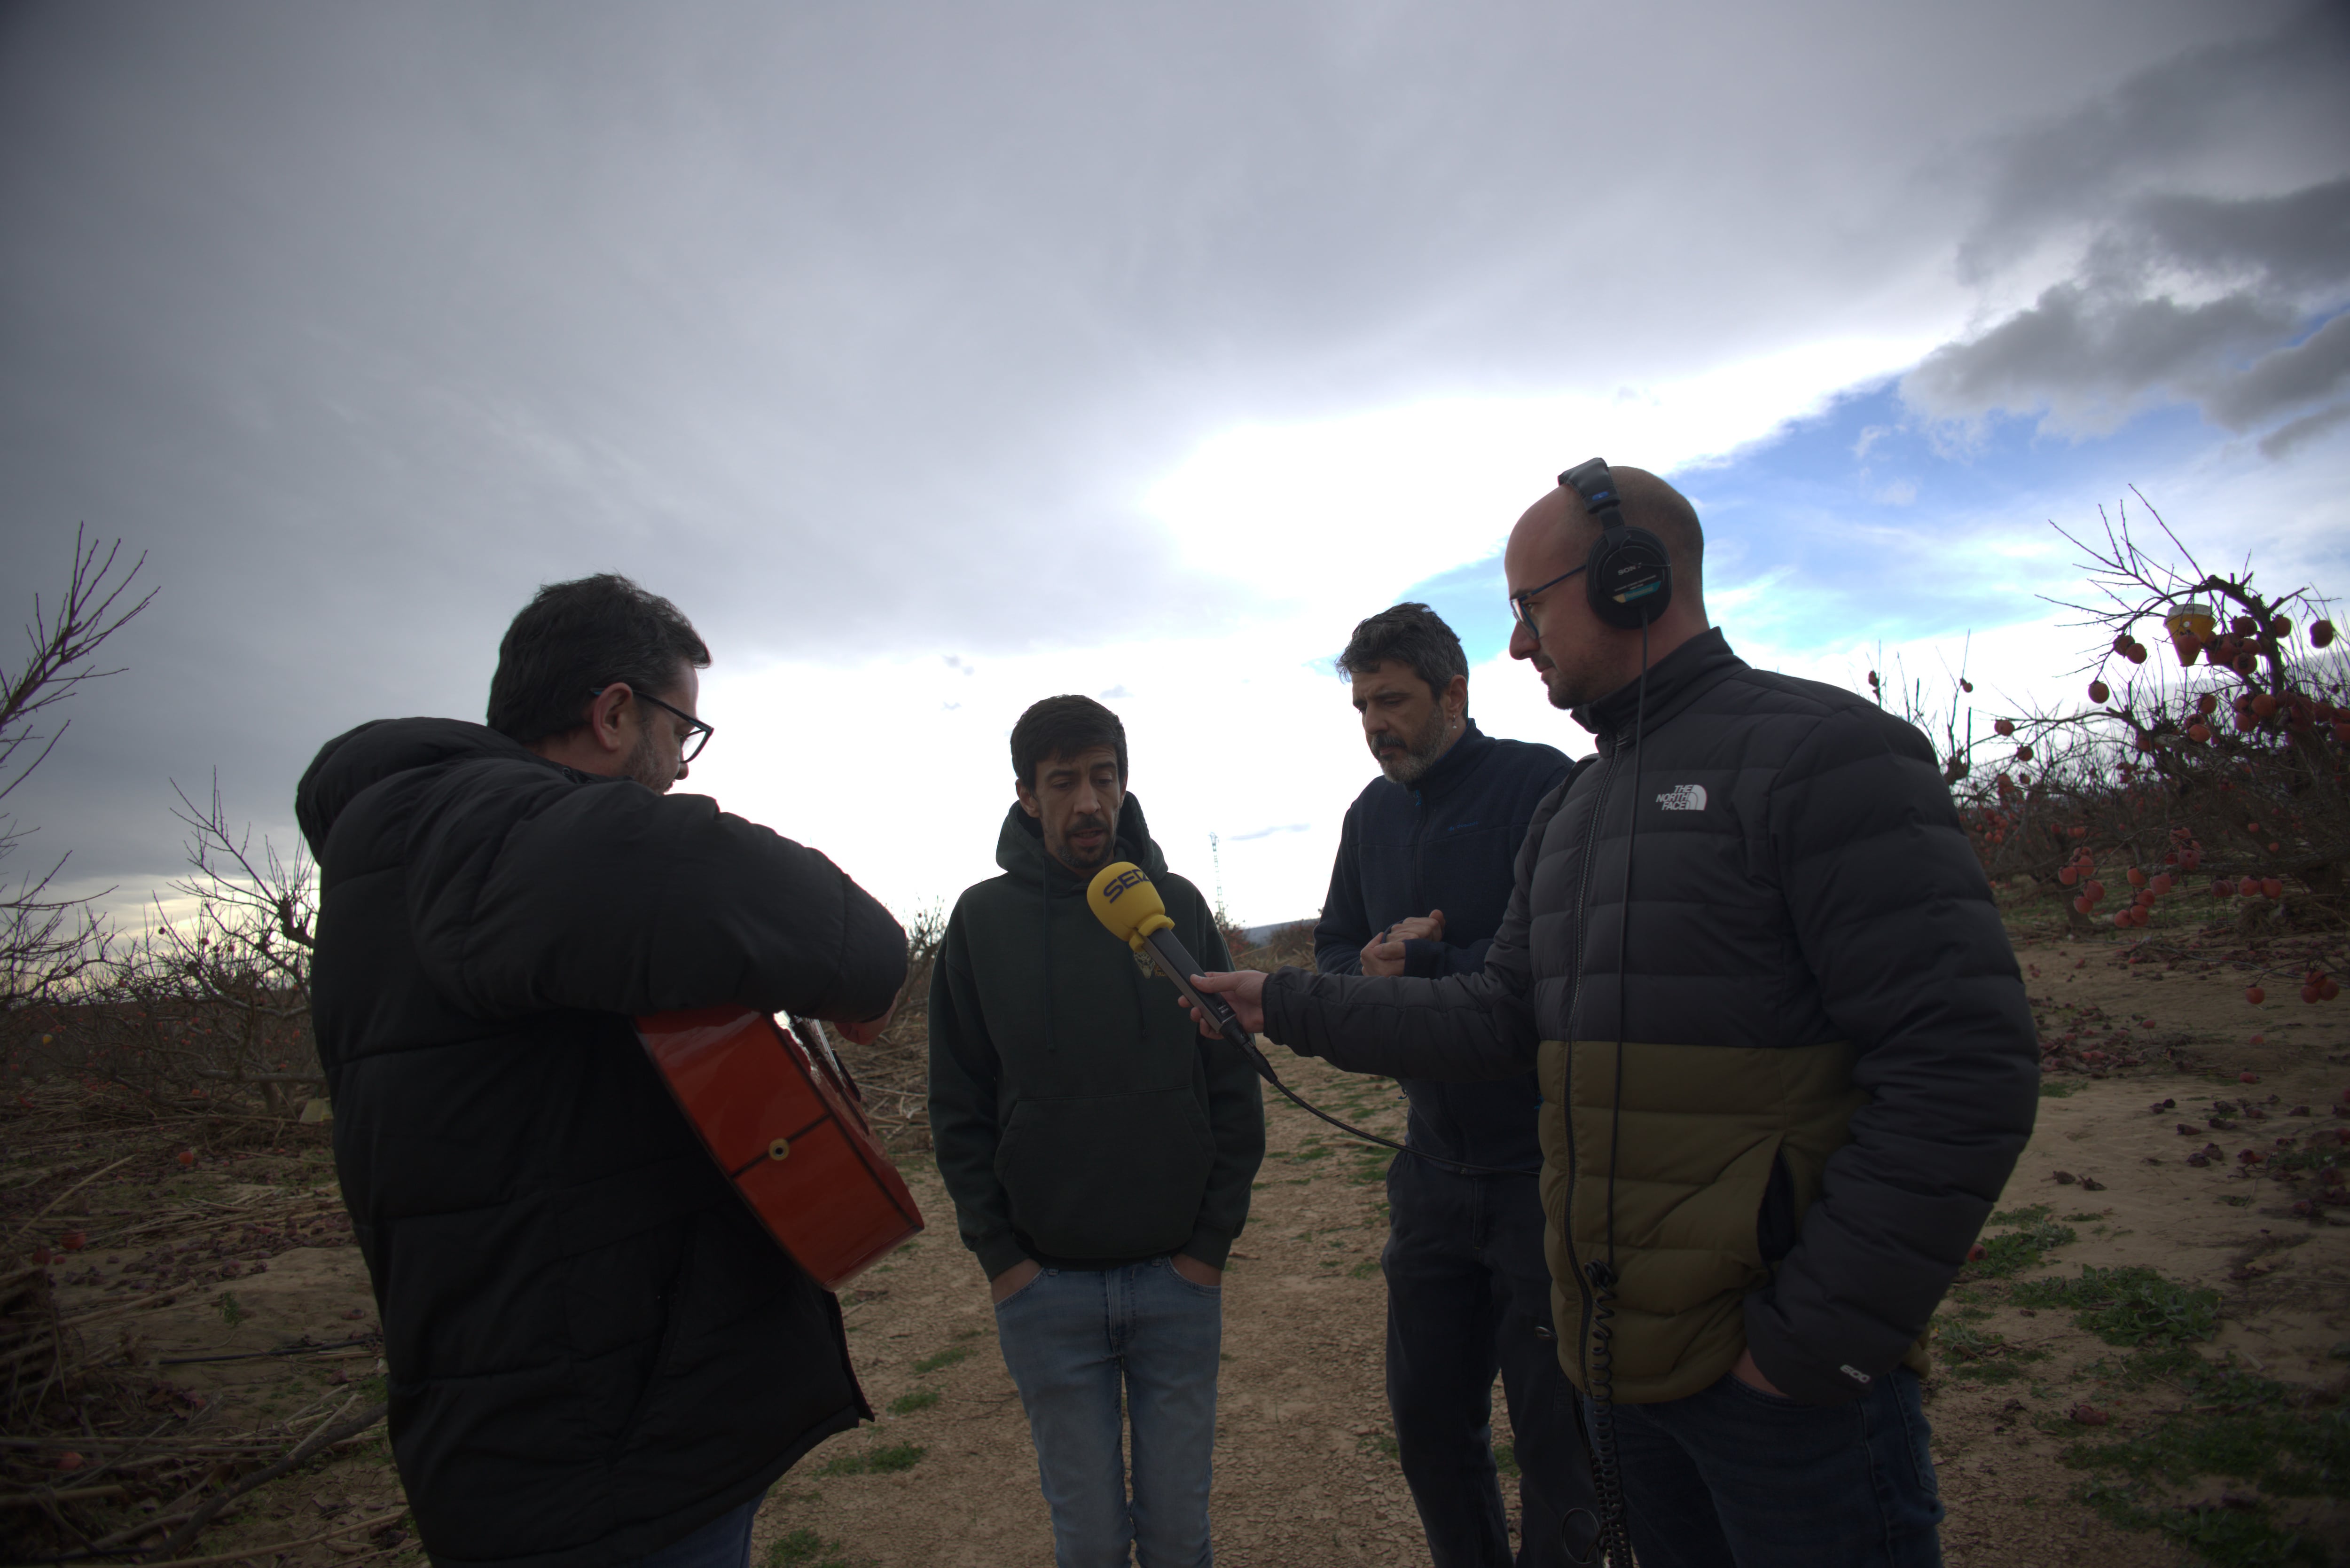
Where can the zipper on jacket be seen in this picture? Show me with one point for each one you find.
(1574, 1014)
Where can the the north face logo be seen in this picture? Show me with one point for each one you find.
(1683, 797)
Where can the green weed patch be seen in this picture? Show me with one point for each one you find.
(920, 1399)
(944, 1358)
(1978, 1356)
(2229, 1537)
(2031, 1237)
(2236, 1427)
(2129, 1305)
(882, 1460)
(804, 1549)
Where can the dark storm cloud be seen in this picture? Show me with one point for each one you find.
(859, 329)
(2234, 112)
(2226, 302)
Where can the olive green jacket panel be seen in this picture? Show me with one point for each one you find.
(1698, 1133)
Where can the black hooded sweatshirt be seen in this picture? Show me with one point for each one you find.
(1079, 1118)
(595, 1349)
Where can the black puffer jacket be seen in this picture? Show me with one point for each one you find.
(1828, 1064)
(594, 1348)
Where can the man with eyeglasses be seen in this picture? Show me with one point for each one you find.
(1785, 1058)
(597, 1358)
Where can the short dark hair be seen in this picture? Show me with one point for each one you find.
(576, 636)
(1409, 634)
(1062, 727)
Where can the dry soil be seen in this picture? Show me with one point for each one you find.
(1304, 1470)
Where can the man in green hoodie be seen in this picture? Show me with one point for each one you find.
(1099, 1154)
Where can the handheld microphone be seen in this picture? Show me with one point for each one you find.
(1122, 898)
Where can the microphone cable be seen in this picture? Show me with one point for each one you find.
(1264, 1070)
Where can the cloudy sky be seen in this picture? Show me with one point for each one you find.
(937, 358)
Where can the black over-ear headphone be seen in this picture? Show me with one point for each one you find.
(1629, 577)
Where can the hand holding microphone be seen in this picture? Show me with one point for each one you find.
(1240, 991)
(1122, 898)
(1226, 1004)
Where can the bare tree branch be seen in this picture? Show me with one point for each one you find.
(48, 944)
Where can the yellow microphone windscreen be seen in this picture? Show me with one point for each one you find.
(1121, 897)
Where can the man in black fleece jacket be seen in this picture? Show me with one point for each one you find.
(1099, 1154)
(596, 1353)
(1777, 1111)
(1422, 877)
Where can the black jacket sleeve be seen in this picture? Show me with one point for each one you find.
(1893, 917)
(1345, 925)
(1423, 957)
(531, 890)
(1461, 1028)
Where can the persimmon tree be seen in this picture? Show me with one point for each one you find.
(2210, 761)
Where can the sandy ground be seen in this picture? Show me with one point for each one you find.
(1304, 1475)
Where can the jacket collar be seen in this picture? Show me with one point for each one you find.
(1681, 678)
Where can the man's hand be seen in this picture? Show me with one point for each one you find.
(1198, 1273)
(1001, 1288)
(1244, 989)
(1383, 954)
(1746, 1372)
(864, 1032)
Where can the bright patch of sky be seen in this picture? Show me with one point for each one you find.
(1855, 536)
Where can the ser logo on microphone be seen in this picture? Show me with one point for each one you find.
(1132, 877)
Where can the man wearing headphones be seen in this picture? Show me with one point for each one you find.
(1785, 1058)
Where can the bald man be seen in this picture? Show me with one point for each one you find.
(1786, 1058)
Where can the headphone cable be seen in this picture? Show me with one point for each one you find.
(1614, 1540)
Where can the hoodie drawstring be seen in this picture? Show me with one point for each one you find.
(1044, 892)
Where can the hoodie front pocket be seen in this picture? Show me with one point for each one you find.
(1107, 1176)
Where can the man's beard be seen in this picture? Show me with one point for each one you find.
(1409, 761)
(1571, 688)
(644, 764)
(1076, 860)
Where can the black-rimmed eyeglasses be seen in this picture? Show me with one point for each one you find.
(697, 735)
(1523, 616)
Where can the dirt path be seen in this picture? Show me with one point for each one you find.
(1304, 1474)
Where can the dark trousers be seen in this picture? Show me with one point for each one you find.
(1736, 1478)
(1468, 1296)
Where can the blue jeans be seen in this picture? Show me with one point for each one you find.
(1735, 1476)
(1072, 1337)
(1468, 1296)
(723, 1542)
